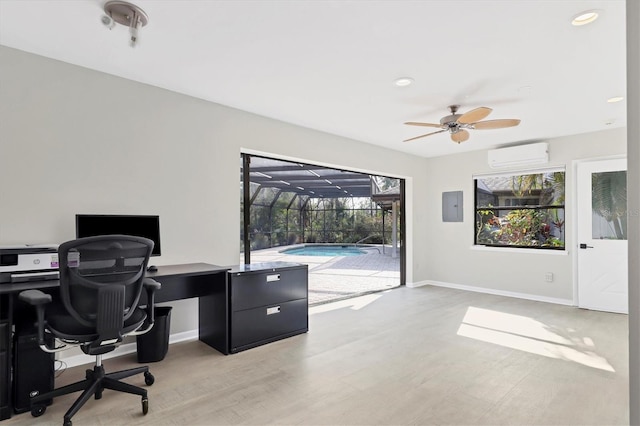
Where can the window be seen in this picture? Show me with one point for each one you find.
(609, 204)
(521, 210)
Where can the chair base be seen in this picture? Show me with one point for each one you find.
(95, 382)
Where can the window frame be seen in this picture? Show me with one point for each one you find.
(506, 208)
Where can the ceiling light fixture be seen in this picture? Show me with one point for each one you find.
(584, 18)
(126, 14)
(615, 99)
(403, 81)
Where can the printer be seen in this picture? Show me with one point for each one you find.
(22, 263)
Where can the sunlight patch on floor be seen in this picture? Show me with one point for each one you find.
(529, 335)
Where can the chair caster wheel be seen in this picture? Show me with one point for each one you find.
(38, 410)
(145, 406)
(67, 423)
(149, 379)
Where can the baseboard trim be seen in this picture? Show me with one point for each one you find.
(127, 348)
(485, 290)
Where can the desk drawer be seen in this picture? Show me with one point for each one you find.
(253, 327)
(250, 290)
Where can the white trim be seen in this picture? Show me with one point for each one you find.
(599, 309)
(574, 226)
(553, 252)
(522, 171)
(418, 284)
(485, 290)
(127, 348)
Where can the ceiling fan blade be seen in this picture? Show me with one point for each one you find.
(422, 136)
(413, 123)
(460, 136)
(474, 115)
(496, 124)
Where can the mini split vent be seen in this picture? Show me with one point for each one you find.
(522, 155)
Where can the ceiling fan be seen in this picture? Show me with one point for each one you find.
(457, 124)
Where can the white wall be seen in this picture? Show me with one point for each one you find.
(73, 140)
(451, 258)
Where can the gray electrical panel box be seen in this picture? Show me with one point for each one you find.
(452, 206)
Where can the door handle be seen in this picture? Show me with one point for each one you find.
(584, 246)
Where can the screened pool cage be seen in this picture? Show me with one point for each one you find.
(294, 203)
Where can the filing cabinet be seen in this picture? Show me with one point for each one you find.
(267, 302)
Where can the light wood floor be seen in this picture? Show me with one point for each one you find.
(408, 356)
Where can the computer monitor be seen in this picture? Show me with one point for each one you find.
(91, 225)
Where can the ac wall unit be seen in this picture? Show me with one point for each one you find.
(521, 155)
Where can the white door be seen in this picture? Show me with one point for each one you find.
(602, 235)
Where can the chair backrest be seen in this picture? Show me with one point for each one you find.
(101, 279)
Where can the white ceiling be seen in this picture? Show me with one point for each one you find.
(330, 65)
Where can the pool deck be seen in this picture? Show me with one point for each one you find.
(334, 278)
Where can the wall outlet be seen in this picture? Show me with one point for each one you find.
(548, 277)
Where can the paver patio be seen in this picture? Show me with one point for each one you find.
(339, 277)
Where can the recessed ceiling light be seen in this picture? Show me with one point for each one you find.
(615, 99)
(584, 18)
(403, 81)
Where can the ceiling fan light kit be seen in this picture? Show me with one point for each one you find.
(457, 124)
(126, 14)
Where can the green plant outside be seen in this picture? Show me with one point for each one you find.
(520, 228)
(526, 226)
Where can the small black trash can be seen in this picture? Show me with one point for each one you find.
(153, 345)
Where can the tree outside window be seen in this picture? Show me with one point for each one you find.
(521, 210)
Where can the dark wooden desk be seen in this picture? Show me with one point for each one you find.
(206, 282)
(202, 280)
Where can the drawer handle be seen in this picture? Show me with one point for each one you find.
(274, 277)
(274, 310)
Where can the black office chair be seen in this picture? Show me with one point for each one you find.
(101, 281)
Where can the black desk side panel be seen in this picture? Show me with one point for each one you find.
(213, 318)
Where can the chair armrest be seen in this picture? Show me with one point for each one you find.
(38, 299)
(151, 283)
(151, 286)
(34, 297)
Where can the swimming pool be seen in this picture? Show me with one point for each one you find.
(324, 251)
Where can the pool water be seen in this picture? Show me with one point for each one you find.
(324, 251)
